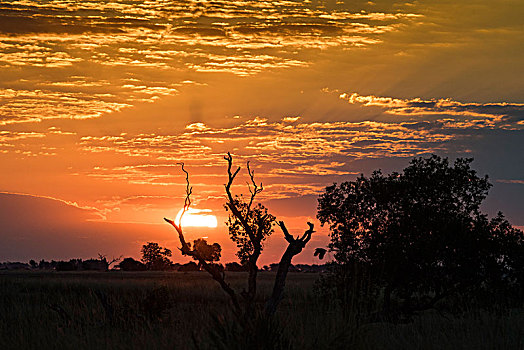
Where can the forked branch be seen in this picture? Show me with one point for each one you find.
(256, 190)
(187, 200)
(217, 275)
(231, 202)
(102, 257)
(254, 234)
(295, 246)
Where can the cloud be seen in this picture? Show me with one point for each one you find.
(520, 182)
(42, 208)
(30, 143)
(296, 144)
(36, 227)
(294, 158)
(125, 40)
(21, 106)
(447, 113)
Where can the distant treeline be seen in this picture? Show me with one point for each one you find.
(154, 258)
(130, 264)
(100, 264)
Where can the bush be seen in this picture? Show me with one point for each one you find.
(417, 237)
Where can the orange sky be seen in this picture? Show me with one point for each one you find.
(99, 101)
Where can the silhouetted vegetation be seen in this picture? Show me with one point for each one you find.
(100, 264)
(155, 257)
(130, 264)
(207, 252)
(258, 218)
(249, 225)
(190, 266)
(235, 267)
(417, 265)
(170, 310)
(405, 241)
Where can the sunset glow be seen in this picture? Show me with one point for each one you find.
(197, 218)
(100, 102)
(351, 173)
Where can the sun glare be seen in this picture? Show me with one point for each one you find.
(197, 218)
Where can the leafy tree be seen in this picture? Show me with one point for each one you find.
(235, 267)
(208, 252)
(258, 218)
(418, 235)
(33, 264)
(71, 265)
(190, 266)
(130, 264)
(46, 265)
(155, 257)
(95, 265)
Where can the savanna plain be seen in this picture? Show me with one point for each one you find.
(177, 310)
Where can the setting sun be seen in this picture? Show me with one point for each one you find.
(197, 218)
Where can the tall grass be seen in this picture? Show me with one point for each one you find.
(148, 310)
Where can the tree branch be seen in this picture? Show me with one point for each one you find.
(287, 236)
(254, 237)
(243, 219)
(255, 190)
(187, 200)
(294, 247)
(231, 201)
(215, 273)
(186, 249)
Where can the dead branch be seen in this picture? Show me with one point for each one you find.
(256, 190)
(189, 191)
(254, 237)
(294, 247)
(186, 249)
(214, 272)
(102, 257)
(231, 203)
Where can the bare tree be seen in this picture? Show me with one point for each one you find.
(103, 258)
(217, 275)
(255, 229)
(256, 225)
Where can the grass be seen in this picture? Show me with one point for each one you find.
(172, 310)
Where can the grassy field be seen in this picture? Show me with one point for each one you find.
(174, 310)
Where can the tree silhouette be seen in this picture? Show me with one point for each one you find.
(208, 252)
(155, 257)
(33, 264)
(419, 235)
(257, 217)
(215, 273)
(249, 225)
(235, 267)
(130, 264)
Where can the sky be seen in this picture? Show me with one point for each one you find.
(100, 101)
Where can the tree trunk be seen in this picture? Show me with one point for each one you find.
(280, 279)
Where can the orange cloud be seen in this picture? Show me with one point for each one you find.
(447, 113)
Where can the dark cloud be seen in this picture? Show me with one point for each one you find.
(44, 228)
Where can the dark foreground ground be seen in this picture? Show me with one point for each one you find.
(147, 310)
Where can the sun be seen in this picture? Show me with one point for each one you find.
(197, 218)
